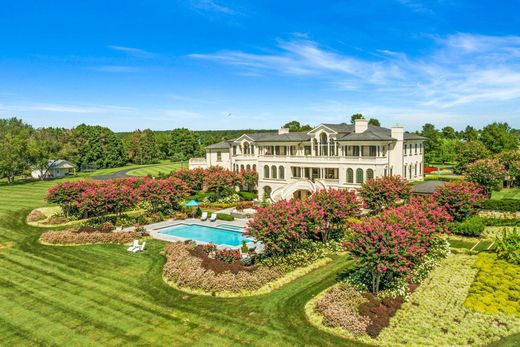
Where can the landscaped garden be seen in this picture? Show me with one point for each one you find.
(328, 275)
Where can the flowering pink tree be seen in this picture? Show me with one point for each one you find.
(382, 192)
(248, 178)
(460, 198)
(330, 210)
(280, 226)
(394, 242)
(488, 173)
(193, 178)
(164, 194)
(220, 181)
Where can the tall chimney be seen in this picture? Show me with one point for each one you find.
(360, 125)
(397, 132)
(283, 131)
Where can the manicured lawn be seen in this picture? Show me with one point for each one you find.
(102, 295)
(164, 167)
(508, 193)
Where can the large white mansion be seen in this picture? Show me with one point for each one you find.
(330, 155)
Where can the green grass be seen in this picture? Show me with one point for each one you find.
(164, 167)
(102, 295)
(507, 193)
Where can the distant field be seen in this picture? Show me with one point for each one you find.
(162, 168)
(510, 193)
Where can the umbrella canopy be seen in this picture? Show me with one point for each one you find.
(192, 203)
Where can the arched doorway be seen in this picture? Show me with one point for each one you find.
(302, 194)
(267, 192)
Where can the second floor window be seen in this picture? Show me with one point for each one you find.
(355, 151)
(219, 156)
(372, 151)
(235, 150)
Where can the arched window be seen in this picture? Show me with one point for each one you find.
(254, 167)
(350, 176)
(267, 191)
(415, 169)
(281, 172)
(359, 176)
(273, 171)
(242, 167)
(405, 171)
(266, 171)
(248, 167)
(410, 170)
(370, 174)
(386, 171)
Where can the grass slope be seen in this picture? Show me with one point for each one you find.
(507, 193)
(102, 295)
(163, 168)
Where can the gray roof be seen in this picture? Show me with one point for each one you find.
(427, 187)
(219, 145)
(60, 163)
(345, 131)
(273, 137)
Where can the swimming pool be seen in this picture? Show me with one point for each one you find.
(231, 227)
(205, 234)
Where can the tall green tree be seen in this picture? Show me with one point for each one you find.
(142, 147)
(499, 137)
(14, 148)
(469, 152)
(97, 147)
(295, 126)
(47, 145)
(432, 146)
(470, 134)
(184, 144)
(374, 121)
(449, 133)
(355, 116)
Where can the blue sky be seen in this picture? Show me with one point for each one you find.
(218, 64)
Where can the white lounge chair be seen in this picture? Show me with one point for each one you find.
(139, 248)
(204, 216)
(133, 246)
(213, 217)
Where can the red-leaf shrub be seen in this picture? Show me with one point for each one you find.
(163, 194)
(228, 255)
(393, 242)
(460, 198)
(75, 238)
(193, 178)
(220, 181)
(248, 178)
(381, 192)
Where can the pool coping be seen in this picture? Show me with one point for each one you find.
(155, 230)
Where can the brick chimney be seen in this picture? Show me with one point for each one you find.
(360, 125)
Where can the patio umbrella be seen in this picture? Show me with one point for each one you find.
(192, 203)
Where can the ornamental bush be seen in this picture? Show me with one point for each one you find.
(488, 173)
(461, 199)
(75, 238)
(381, 192)
(508, 246)
(193, 178)
(473, 226)
(220, 181)
(228, 255)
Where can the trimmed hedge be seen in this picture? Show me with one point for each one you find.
(225, 217)
(508, 205)
(501, 222)
(473, 226)
(247, 196)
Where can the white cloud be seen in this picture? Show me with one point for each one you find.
(212, 6)
(134, 52)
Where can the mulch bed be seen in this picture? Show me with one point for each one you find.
(219, 266)
(380, 311)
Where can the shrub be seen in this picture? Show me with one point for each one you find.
(228, 255)
(495, 288)
(488, 173)
(209, 248)
(473, 226)
(461, 199)
(507, 205)
(36, 216)
(339, 308)
(501, 222)
(220, 181)
(382, 192)
(225, 217)
(185, 270)
(247, 196)
(248, 179)
(193, 178)
(508, 246)
(69, 237)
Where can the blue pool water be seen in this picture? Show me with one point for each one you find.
(203, 233)
(231, 227)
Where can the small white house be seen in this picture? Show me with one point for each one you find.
(55, 169)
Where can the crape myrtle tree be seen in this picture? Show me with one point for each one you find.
(510, 160)
(460, 198)
(392, 243)
(14, 148)
(248, 179)
(381, 192)
(488, 173)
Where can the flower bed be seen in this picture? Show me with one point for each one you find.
(78, 238)
(189, 269)
(435, 314)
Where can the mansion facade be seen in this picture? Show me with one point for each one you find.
(295, 164)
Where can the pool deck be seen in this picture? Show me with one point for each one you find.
(155, 229)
